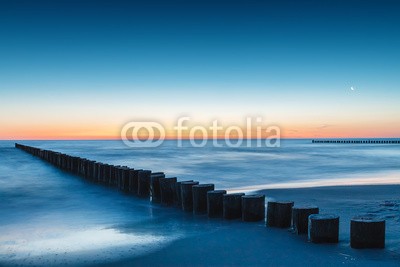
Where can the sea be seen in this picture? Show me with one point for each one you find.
(51, 217)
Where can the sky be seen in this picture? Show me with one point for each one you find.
(83, 69)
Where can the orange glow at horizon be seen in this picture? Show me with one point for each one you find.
(104, 132)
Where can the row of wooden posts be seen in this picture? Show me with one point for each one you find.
(191, 196)
(356, 141)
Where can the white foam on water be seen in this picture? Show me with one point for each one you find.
(373, 179)
(46, 246)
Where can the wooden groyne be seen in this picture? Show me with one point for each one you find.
(340, 141)
(191, 196)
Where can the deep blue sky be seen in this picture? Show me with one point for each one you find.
(291, 61)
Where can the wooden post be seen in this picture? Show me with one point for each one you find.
(279, 214)
(323, 228)
(100, 173)
(133, 181)
(300, 218)
(155, 186)
(187, 195)
(144, 183)
(95, 170)
(200, 197)
(178, 193)
(125, 180)
(367, 232)
(253, 208)
(107, 174)
(113, 175)
(167, 190)
(215, 203)
(232, 206)
(91, 170)
(120, 175)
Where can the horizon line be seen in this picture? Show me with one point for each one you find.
(208, 139)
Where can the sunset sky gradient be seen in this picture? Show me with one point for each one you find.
(82, 69)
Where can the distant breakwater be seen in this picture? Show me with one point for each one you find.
(203, 199)
(338, 141)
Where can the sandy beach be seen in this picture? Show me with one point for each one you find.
(233, 243)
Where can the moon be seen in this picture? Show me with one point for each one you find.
(352, 88)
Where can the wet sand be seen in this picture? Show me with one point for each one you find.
(235, 243)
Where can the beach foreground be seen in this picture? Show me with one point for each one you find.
(53, 218)
(235, 243)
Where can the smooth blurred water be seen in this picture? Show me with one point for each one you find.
(45, 212)
(295, 161)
